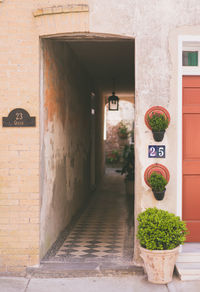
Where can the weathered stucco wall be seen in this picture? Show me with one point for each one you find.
(155, 25)
(66, 153)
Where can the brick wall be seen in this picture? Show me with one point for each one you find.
(19, 147)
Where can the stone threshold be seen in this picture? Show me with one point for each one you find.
(188, 262)
(77, 270)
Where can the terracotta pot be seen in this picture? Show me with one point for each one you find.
(123, 136)
(158, 136)
(123, 142)
(159, 264)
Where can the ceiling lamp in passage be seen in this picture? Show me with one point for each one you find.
(113, 100)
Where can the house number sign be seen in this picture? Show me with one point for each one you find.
(156, 151)
(18, 117)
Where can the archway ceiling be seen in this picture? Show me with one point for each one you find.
(105, 60)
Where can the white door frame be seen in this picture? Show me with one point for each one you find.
(182, 71)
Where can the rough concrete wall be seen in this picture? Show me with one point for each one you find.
(66, 140)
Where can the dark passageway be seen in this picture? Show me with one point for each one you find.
(79, 226)
(104, 231)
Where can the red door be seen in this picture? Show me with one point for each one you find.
(191, 156)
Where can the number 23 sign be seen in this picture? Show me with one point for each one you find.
(156, 151)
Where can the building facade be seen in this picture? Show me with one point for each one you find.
(39, 44)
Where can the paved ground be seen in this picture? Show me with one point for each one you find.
(106, 241)
(137, 283)
(104, 231)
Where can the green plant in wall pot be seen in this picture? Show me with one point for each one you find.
(157, 182)
(158, 123)
(160, 234)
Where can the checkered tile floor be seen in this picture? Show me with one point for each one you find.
(103, 232)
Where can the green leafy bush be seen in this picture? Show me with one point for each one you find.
(128, 162)
(113, 157)
(157, 182)
(123, 130)
(160, 230)
(158, 122)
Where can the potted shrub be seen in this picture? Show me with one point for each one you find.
(113, 157)
(158, 123)
(160, 234)
(123, 130)
(128, 168)
(157, 182)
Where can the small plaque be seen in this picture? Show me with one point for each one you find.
(156, 151)
(19, 117)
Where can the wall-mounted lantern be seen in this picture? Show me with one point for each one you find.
(113, 102)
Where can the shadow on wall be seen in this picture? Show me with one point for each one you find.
(66, 141)
(59, 190)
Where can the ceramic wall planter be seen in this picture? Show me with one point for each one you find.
(161, 169)
(158, 136)
(159, 195)
(159, 264)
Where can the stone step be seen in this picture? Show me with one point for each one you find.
(188, 270)
(188, 257)
(65, 270)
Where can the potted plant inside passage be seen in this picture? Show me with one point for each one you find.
(128, 167)
(158, 123)
(113, 157)
(160, 234)
(157, 182)
(122, 131)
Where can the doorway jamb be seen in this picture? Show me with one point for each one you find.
(181, 39)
